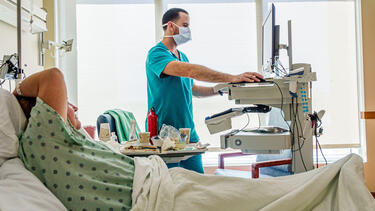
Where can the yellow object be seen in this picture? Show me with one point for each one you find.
(144, 137)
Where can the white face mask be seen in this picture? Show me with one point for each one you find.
(183, 36)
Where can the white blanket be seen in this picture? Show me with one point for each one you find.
(338, 186)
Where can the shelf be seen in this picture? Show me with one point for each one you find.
(8, 14)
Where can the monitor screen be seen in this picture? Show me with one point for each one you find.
(268, 40)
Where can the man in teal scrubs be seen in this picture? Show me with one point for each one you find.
(170, 80)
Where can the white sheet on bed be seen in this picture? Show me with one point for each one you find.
(12, 122)
(338, 186)
(21, 190)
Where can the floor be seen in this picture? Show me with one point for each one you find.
(211, 169)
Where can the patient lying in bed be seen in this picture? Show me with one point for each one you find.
(83, 174)
(86, 175)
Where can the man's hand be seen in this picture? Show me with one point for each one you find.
(246, 77)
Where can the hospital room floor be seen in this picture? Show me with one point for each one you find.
(211, 169)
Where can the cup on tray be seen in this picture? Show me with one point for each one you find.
(104, 132)
(186, 133)
(144, 138)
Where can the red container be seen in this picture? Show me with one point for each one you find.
(152, 123)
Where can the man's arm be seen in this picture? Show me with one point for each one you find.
(48, 85)
(203, 91)
(202, 73)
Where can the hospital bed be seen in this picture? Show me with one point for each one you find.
(21, 190)
(155, 187)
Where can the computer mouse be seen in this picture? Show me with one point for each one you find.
(260, 79)
(245, 82)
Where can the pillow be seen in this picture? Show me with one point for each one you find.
(13, 122)
(21, 190)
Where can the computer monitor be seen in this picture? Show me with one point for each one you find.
(270, 40)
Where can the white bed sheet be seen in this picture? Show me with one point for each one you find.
(21, 190)
(338, 186)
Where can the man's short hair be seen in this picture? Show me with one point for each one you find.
(172, 15)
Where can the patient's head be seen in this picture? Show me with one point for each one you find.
(72, 116)
(26, 103)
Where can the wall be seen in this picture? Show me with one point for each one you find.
(30, 50)
(368, 39)
(66, 30)
(49, 5)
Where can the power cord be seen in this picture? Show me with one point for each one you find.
(248, 122)
(295, 125)
(317, 125)
(282, 104)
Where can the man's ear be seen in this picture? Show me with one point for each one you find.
(170, 27)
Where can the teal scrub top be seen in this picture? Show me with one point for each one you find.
(171, 96)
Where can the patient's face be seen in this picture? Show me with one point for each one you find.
(72, 116)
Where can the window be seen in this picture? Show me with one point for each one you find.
(112, 47)
(324, 35)
(224, 39)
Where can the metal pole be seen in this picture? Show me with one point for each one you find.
(19, 35)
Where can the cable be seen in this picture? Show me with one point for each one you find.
(282, 104)
(281, 65)
(292, 129)
(300, 124)
(316, 119)
(248, 121)
(296, 119)
(280, 70)
(321, 151)
(292, 139)
(295, 125)
(316, 151)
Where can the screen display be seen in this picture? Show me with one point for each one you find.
(267, 40)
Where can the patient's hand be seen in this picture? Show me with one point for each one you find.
(72, 116)
(75, 108)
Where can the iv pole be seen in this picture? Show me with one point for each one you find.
(19, 34)
(19, 74)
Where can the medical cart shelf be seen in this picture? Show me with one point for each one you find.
(253, 142)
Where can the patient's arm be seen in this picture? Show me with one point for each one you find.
(48, 85)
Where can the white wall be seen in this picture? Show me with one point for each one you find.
(66, 30)
(30, 50)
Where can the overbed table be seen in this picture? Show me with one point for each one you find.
(169, 156)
